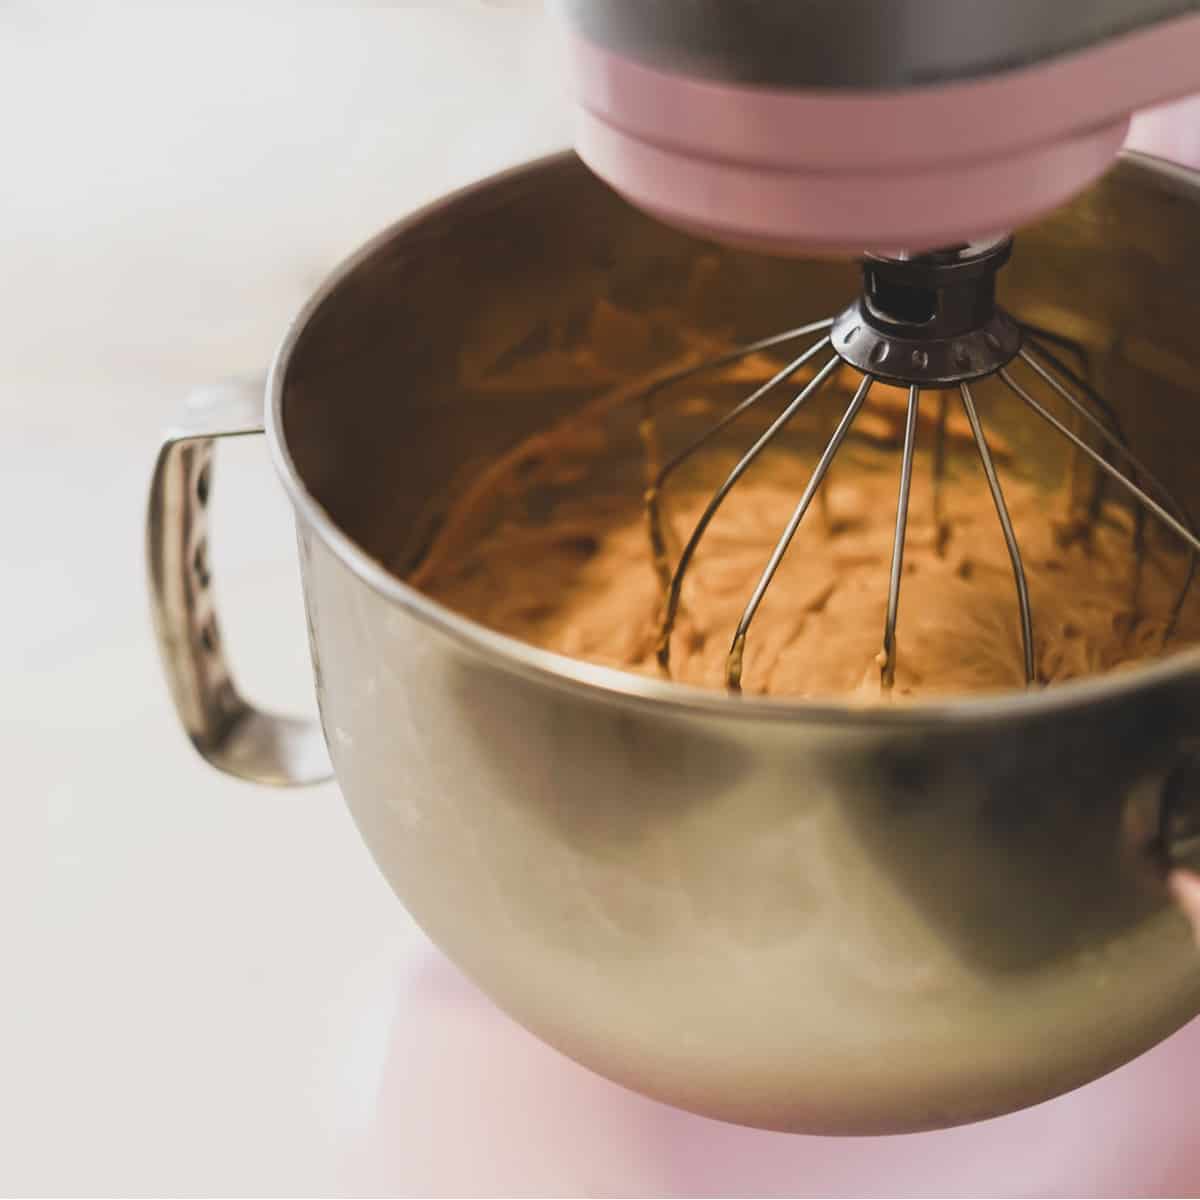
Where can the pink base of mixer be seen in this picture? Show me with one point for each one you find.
(912, 169)
(797, 212)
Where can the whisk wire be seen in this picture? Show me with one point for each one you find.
(658, 476)
(1010, 535)
(1116, 439)
(733, 664)
(1096, 397)
(941, 525)
(671, 610)
(1113, 473)
(735, 355)
(743, 406)
(887, 673)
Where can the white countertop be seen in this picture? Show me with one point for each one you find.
(206, 987)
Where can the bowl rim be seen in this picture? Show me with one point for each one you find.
(608, 684)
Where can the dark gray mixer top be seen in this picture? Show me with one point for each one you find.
(863, 44)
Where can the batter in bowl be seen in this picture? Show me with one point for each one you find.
(579, 578)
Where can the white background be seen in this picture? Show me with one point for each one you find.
(206, 987)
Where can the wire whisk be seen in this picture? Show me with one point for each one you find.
(930, 324)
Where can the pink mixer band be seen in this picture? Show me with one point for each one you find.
(780, 210)
(728, 160)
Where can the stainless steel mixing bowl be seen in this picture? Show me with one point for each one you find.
(799, 916)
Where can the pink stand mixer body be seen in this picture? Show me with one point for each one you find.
(837, 126)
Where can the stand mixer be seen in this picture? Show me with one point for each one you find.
(817, 917)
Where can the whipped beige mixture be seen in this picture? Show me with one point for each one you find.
(578, 576)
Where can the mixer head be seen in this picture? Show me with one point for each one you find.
(801, 125)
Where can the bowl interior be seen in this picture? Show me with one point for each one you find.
(503, 309)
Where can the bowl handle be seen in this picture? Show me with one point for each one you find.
(224, 728)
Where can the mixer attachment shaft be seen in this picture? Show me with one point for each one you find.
(929, 323)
